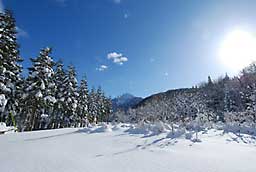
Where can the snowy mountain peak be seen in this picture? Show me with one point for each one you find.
(125, 101)
(124, 98)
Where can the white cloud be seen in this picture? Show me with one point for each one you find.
(126, 15)
(21, 32)
(117, 1)
(102, 68)
(166, 74)
(1, 6)
(117, 58)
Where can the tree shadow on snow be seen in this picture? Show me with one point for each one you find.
(52, 136)
(241, 138)
(144, 146)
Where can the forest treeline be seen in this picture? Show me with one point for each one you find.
(229, 100)
(49, 96)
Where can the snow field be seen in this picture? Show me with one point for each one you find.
(126, 147)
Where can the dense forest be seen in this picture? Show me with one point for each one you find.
(49, 96)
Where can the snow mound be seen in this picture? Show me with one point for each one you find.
(103, 127)
(5, 129)
(120, 126)
(148, 128)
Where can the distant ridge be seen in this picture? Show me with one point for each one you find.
(125, 101)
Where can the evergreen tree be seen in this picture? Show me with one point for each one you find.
(10, 69)
(22, 114)
(59, 106)
(107, 108)
(100, 104)
(249, 98)
(92, 106)
(227, 98)
(40, 90)
(209, 81)
(70, 97)
(82, 109)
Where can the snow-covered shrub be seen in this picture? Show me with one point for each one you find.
(188, 135)
(149, 128)
(140, 128)
(120, 126)
(178, 132)
(158, 127)
(239, 122)
(103, 127)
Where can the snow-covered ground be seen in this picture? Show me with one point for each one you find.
(121, 148)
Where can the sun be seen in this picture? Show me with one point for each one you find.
(238, 50)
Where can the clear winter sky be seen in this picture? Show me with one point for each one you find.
(156, 45)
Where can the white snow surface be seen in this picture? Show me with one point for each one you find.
(126, 148)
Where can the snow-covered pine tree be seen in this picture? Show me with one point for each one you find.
(40, 90)
(251, 104)
(10, 69)
(227, 98)
(59, 105)
(104, 106)
(92, 106)
(247, 81)
(209, 81)
(100, 104)
(70, 98)
(107, 108)
(214, 96)
(3, 89)
(22, 114)
(82, 109)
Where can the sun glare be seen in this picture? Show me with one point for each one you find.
(238, 50)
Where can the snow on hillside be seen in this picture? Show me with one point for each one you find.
(126, 148)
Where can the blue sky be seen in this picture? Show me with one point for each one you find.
(136, 46)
